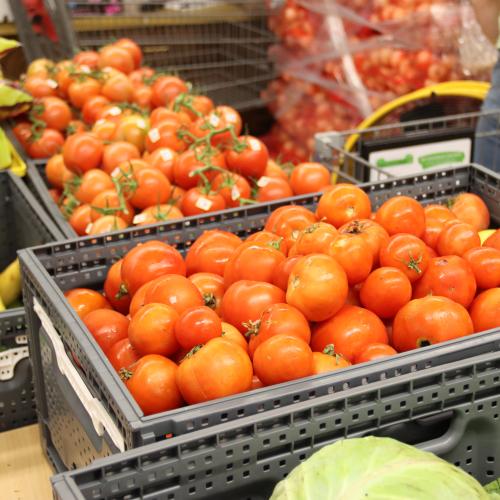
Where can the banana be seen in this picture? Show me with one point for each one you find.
(2, 305)
(10, 283)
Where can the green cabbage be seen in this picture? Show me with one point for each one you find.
(373, 468)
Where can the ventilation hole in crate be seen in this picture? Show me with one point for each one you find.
(402, 404)
(229, 479)
(496, 379)
(246, 473)
(192, 490)
(480, 407)
(481, 383)
(171, 496)
(466, 387)
(276, 403)
(490, 459)
(208, 459)
(266, 442)
(191, 477)
(338, 421)
(223, 417)
(495, 416)
(451, 390)
(282, 437)
(209, 485)
(387, 407)
(355, 416)
(420, 399)
(469, 448)
(302, 432)
(241, 412)
(246, 447)
(370, 413)
(282, 463)
(494, 404)
(296, 398)
(266, 467)
(322, 425)
(246, 461)
(468, 461)
(191, 464)
(490, 473)
(208, 472)
(434, 395)
(457, 463)
(312, 394)
(204, 422)
(229, 466)
(466, 410)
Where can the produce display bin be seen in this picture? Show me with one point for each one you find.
(443, 399)
(23, 224)
(408, 145)
(87, 412)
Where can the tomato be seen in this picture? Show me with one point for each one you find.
(81, 90)
(132, 48)
(230, 117)
(22, 132)
(148, 261)
(146, 187)
(282, 358)
(317, 287)
(328, 360)
(229, 332)
(273, 188)
(256, 383)
(85, 300)
(81, 218)
(174, 290)
(282, 272)
(113, 290)
(456, 239)
(127, 169)
(275, 320)
(255, 261)
(91, 184)
(166, 89)
(197, 201)
(407, 253)
(165, 135)
(385, 291)
(350, 331)
(106, 224)
(354, 255)
(246, 300)
(116, 153)
(104, 129)
(39, 86)
(471, 209)
(314, 239)
(191, 161)
(268, 238)
(157, 213)
(75, 127)
(107, 327)
(374, 351)
(56, 172)
(402, 214)
(46, 144)
(342, 204)
(485, 310)
(309, 178)
(494, 240)
(232, 187)
(116, 57)
(118, 88)
(274, 170)
(428, 321)
(211, 287)
(152, 381)
(450, 276)
(433, 229)
(164, 160)
(215, 370)
(41, 67)
(288, 221)
(485, 264)
(140, 76)
(122, 354)
(152, 330)
(211, 251)
(438, 213)
(110, 203)
(142, 96)
(132, 129)
(196, 106)
(248, 157)
(139, 299)
(54, 112)
(197, 325)
(162, 114)
(82, 152)
(89, 58)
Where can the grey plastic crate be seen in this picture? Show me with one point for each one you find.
(23, 223)
(447, 402)
(70, 434)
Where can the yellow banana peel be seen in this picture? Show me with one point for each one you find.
(10, 283)
(2, 306)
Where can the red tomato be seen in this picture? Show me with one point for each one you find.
(471, 209)
(485, 310)
(317, 287)
(54, 112)
(309, 178)
(166, 89)
(152, 381)
(152, 330)
(328, 361)
(85, 300)
(268, 238)
(116, 153)
(113, 290)
(81, 219)
(132, 48)
(122, 355)
(56, 172)
(92, 182)
(385, 291)
(197, 201)
(485, 264)
(113, 56)
(46, 144)
(146, 187)
(106, 224)
(350, 331)
(246, 300)
(429, 320)
(450, 277)
(191, 161)
(494, 240)
(197, 325)
(248, 157)
(89, 58)
(157, 213)
(438, 212)
(343, 204)
(275, 320)
(316, 238)
(229, 332)
(82, 152)
(406, 253)
(110, 204)
(232, 187)
(211, 287)
(282, 358)
(148, 261)
(211, 251)
(401, 214)
(164, 160)
(107, 327)
(457, 239)
(374, 351)
(81, 90)
(282, 272)
(165, 135)
(273, 188)
(39, 86)
(218, 369)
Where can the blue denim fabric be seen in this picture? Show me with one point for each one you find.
(487, 149)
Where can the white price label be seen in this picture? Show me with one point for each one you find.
(166, 154)
(52, 84)
(139, 218)
(203, 204)
(154, 135)
(115, 111)
(88, 228)
(263, 181)
(235, 193)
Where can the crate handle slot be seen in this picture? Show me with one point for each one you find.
(99, 416)
(450, 439)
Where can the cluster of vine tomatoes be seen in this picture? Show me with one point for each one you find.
(126, 145)
(313, 292)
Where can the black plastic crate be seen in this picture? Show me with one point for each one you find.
(23, 224)
(447, 402)
(55, 328)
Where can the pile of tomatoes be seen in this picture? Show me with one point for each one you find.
(311, 293)
(126, 145)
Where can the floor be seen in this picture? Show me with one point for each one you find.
(24, 471)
